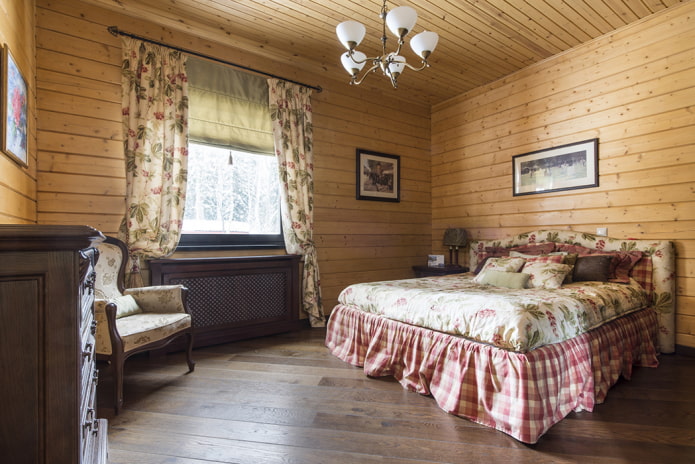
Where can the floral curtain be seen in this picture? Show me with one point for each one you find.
(155, 125)
(290, 109)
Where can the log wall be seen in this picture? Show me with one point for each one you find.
(81, 174)
(633, 90)
(17, 182)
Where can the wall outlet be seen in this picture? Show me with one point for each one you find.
(602, 231)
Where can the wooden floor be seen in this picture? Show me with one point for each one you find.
(285, 399)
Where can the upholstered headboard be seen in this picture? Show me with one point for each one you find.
(658, 262)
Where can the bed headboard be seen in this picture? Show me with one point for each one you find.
(662, 274)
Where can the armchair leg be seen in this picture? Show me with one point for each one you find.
(189, 350)
(117, 364)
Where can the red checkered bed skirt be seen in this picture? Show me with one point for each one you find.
(521, 394)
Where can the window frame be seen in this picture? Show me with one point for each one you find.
(197, 241)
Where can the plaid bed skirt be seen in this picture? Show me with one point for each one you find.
(520, 394)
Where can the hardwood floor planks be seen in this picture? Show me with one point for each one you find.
(285, 399)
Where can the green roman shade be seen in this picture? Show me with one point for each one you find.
(228, 107)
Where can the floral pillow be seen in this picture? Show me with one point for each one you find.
(500, 264)
(546, 275)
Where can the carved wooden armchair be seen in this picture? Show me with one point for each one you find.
(134, 320)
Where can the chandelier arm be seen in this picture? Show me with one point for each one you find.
(359, 81)
(425, 64)
(369, 58)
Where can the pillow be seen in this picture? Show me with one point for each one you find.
(622, 264)
(546, 275)
(501, 264)
(126, 306)
(544, 258)
(534, 249)
(571, 259)
(592, 268)
(504, 279)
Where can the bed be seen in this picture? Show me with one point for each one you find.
(488, 348)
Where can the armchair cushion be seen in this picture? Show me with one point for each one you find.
(159, 299)
(142, 329)
(126, 306)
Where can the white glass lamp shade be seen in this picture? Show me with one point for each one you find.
(424, 43)
(352, 66)
(401, 20)
(396, 65)
(350, 33)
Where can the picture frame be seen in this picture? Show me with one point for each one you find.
(567, 167)
(14, 109)
(378, 176)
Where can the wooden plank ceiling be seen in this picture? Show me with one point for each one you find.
(480, 40)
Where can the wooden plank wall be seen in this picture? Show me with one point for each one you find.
(81, 169)
(18, 183)
(633, 89)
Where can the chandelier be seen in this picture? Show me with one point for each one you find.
(400, 21)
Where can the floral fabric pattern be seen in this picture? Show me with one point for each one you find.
(546, 275)
(290, 108)
(519, 320)
(155, 125)
(655, 271)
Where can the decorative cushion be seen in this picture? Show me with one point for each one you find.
(621, 265)
(546, 275)
(534, 249)
(126, 306)
(504, 279)
(592, 268)
(501, 264)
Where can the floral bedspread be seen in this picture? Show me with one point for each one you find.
(513, 319)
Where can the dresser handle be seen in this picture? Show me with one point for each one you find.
(95, 377)
(95, 428)
(89, 283)
(93, 328)
(87, 353)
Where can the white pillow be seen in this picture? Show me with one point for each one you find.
(504, 279)
(546, 275)
(500, 264)
(126, 306)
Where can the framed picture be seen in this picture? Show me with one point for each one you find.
(571, 166)
(378, 176)
(14, 109)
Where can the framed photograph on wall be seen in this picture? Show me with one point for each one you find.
(14, 109)
(378, 176)
(567, 167)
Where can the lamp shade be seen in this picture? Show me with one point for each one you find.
(396, 65)
(350, 33)
(455, 237)
(401, 20)
(424, 43)
(349, 63)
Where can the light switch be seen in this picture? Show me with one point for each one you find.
(602, 231)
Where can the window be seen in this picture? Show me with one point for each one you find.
(232, 196)
(232, 199)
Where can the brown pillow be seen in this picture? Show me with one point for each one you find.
(592, 268)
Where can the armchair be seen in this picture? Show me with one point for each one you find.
(134, 320)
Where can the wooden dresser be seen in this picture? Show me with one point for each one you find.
(47, 370)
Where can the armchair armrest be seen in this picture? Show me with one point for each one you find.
(160, 299)
(107, 334)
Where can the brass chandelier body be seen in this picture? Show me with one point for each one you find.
(400, 21)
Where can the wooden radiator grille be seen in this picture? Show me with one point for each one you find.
(228, 299)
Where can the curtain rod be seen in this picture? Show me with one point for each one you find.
(116, 32)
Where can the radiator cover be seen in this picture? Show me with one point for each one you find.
(235, 298)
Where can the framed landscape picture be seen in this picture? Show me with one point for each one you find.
(14, 109)
(571, 166)
(378, 176)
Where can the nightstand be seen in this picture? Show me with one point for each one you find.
(427, 271)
